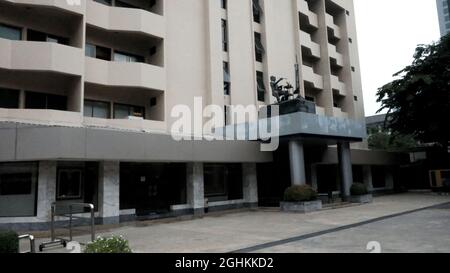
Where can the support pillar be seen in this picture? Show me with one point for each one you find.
(109, 192)
(46, 189)
(314, 181)
(345, 166)
(250, 184)
(195, 188)
(297, 163)
(367, 176)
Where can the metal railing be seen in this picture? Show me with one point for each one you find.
(71, 217)
(30, 238)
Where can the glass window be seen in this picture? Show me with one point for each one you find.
(226, 79)
(261, 86)
(18, 183)
(125, 57)
(35, 100)
(69, 184)
(96, 109)
(259, 48)
(224, 36)
(9, 98)
(123, 111)
(257, 11)
(10, 33)
(90, 50)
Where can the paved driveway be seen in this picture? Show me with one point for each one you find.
(400, 223)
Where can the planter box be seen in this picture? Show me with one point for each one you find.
(301, 207)
(362, 199)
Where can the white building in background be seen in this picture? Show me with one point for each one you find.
(444, 16)
(86, 94)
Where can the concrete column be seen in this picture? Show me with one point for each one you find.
(46, 189)
(109, 192)
(195, 188)
(250, 184)
(297, 162)
(367, 176)
(345, 166)
(314, 181)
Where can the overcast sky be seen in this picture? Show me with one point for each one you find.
(388, 32)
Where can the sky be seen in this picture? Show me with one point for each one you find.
(388, 33)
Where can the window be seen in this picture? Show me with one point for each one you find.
(353, 69)
(127, 58)
(9, 98)
(257, 11)
(90, 50)
(35, 100)
(96, 109)
(69, 184)
(223, 182)
(37, 36)
(10, 33)
(98, 52)
(123, 111)
(224, 4)
(18, 189)
(224, 36)
(355, 98)
(15, 184)
(350, 40)
(261, 86)
(226, 79)
(259, 48)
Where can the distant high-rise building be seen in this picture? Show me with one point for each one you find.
(444, 16)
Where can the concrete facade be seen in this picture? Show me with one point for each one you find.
(96, 91)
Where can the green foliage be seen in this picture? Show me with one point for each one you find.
(358, 189)
(114, 244)
(392, 143)
(418, 101)
(300, 194)
(9, 242)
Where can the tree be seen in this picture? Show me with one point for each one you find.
(418, 102)
(387, 142)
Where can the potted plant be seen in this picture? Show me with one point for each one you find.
(300, 199)
(360, 194)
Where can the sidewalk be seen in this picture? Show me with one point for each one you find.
(239, 230)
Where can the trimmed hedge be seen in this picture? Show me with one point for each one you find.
(302, 193)
(9, 241)
(358, 189)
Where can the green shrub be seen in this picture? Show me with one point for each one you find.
(302, 193)
(358, 189)
(114, 244)
(9, 242)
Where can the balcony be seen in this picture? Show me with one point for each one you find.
(139, 75)
(58, 4)
(339, 86)
(141, 125)
(309, 17)
(310, 76)
(41, 57)
(335, 56)
(307, 42)
(125, 19)
(335, 30)
(42, 117)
